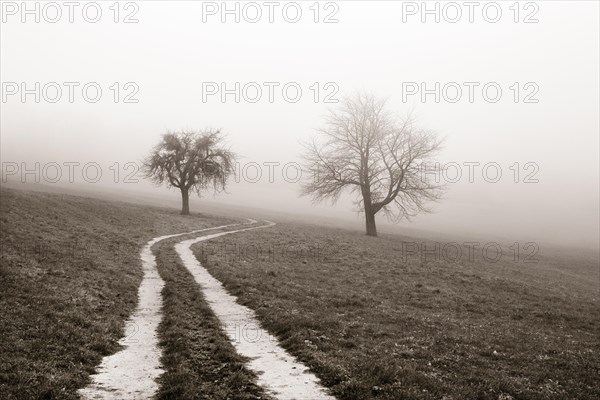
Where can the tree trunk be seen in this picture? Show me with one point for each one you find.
(185, 199)
(369, 211)
(370, 221)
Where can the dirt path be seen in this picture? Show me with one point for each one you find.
(278, 372)
(131, 373)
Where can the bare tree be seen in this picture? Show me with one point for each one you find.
(385, 161)
(190, 161)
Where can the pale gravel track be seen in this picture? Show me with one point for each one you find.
(278, 372)
(131, 373)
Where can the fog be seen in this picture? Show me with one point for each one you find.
(177, 60)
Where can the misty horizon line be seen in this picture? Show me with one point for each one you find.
(168, 198)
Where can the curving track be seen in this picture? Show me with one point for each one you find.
(132, 372)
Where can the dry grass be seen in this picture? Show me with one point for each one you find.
(69, 275)
(373, 324)
(369, 322)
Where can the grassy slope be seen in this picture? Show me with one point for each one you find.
(372, 324)
(369, 323)
(69, 275)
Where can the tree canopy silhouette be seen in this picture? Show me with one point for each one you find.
(382, 159)
(191, 161)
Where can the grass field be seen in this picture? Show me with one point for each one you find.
(69, 274)
(371, 319)
(375, 321)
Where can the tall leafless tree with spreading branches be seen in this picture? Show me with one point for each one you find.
(191, 161)
(386, 161)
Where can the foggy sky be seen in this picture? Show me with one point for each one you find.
(171, 52)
